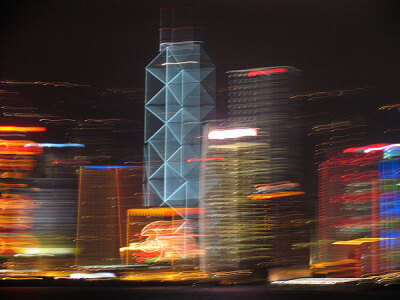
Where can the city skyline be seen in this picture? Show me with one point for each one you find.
(217, 142)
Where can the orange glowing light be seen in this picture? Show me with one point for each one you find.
(204, 159)
(17, 164)
(164, 211)
(13, 174)
(166, 240)
(16, 244)
(275, 195)
(17, 222)
(16, 206)
(19, 147)
(21, 129)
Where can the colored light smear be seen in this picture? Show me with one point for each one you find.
(231, 133)
(52, 145)
(16, 164)
(389, 153)
(371, 148)
(18, 147)
(276, 187)
(275, 195)
(362, 149)
(204, 159)
(21, 129)
(359, 241)
(70, 162)
(165, 240)
(266, 72)
(108, 167)
(164, 211)
(382, 148)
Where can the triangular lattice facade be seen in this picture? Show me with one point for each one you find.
(180, 95)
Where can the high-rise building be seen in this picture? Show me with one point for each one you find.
(180, 88)
(358, 210)
(105, 195)
(252, 176)
(260, 98)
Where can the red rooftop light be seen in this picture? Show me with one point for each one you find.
(266, 72)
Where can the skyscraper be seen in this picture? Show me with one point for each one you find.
(180, 88)
(252, 175)
(358, 211)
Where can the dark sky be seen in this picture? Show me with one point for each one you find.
(337, 44)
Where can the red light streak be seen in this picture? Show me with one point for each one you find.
(362, 149)
(203, 159)
(266, 72)
(21, 129)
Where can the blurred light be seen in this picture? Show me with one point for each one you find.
(275, 195)
(316, 281)
(179, 63)
(164, 211)
(52, 145)
(21, 129)
(13, 134)
(362, 149)
(276, 187)
(18, 147)
(108, 167)
(92, 275)
(360, 241)
(48, 251)
(266, 72)
(204, 159)
(166, 240)
(388, 147)
(371, 148)
(231, 133)
(56, 162)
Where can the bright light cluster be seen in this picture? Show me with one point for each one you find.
(231, 133)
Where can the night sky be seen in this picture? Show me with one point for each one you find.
(337, 44)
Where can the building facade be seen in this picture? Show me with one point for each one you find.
(105, 195)
(180, 87)
(252, 176)
(358, 212)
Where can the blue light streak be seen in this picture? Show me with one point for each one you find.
(52, 145)
(108, 167)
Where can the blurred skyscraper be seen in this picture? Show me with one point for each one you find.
(252, 175)
(105, 195)
(358, 212)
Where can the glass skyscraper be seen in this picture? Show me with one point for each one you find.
(180, 89)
